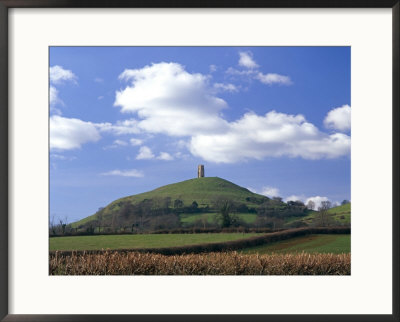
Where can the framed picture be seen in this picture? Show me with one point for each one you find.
(166, 161)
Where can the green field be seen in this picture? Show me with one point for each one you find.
(140, 241)
(310, 244)
(211, 217)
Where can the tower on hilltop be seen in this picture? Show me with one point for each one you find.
(200, 171)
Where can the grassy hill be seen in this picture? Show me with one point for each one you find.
(203, 191)
(340, 214)
(194, 202)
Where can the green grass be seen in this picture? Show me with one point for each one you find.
(202, 190)
(341, 209)
(341, 214)
(191, 218)
(310, 244)
(139, 241)
(83, 221)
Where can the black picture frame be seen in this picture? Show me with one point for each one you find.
(5, 5)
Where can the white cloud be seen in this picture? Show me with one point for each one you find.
(182, 144)
(100, 98)
(135, 142)
(120, 143)
(272, 135)
(170, 100)
(267, 79)
(145, 153)
(266, 191)
(70, 133)
(246, 72)
(274, 192)
(99, 80)
(226, 87)
(339, 118)
(62, 157)
(124, 173)
(317, 200)
(120, 127)
(213, 68)
(180, 155)
(294, 198)
(246, 60)
(272, 78)
(58, 74)
(54, 100)
(270, 192)
(116, 144)
(165, 156)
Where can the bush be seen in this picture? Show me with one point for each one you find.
(232, 263)
(229, 245)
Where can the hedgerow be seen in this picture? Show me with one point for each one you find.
(223, 263)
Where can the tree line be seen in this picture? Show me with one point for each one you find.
(165, 214)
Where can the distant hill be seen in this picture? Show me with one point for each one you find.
(340, 215)
(197, 203)
(203, 191)
(343, 209)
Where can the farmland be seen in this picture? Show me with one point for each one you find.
(139, 241)
(312, 240)
(335, 244)
(302, 251)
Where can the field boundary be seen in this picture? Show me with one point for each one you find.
(220, 246)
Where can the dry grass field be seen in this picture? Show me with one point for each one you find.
(222, 263)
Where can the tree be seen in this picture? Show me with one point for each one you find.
(143, 211)
(224, 207)
(53, 226)
(63, 224)
(276, 223)
(113, 222)
(178, 203)
(195, 205)
(167, 202)
(311, 205)
(325, 205)
(99, 218)
(323, 212)
(345, 202)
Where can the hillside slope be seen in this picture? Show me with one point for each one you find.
(203, 191)
(339, 214)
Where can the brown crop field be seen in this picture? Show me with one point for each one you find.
(221, 263)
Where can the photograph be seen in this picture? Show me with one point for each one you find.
(199, 160)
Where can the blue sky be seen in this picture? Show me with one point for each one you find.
(125, 120)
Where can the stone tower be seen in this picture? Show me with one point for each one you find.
(200, 171)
